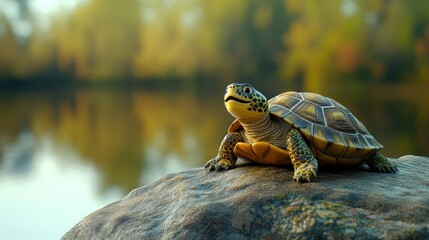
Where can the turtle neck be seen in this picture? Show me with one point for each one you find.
(267, 129)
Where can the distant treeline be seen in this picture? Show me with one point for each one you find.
(300, 41)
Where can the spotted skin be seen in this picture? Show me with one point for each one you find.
(225, 158)
(258, 104)
(302, 158)
(379, 163)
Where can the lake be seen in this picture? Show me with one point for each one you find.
(67, 153)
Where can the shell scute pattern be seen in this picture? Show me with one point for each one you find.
(290, 102)
(340, 106)
(293, 94)
(310, 112)
(326, 125)
(317, 99)
(338, 120)
(357, 124)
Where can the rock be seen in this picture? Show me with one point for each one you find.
(262, 202)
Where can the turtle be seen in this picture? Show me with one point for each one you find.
(301, 129)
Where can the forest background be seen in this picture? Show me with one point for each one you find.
(194, 42)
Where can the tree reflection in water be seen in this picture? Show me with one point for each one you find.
(132, 138)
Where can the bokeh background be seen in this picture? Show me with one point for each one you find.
(98, 97)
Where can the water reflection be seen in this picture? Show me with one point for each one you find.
(131, 138)
(48, 192)
(18, 158)
(65, 154)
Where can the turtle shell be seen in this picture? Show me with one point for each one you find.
(331, 129)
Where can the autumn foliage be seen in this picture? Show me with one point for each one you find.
(299, 41)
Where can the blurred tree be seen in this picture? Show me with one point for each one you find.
(99, 39)
(167, 39)
(9, 49)
(349, 41)
(251, 39)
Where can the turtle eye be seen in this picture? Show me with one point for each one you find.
(247, 90)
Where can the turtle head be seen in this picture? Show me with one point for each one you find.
(244, 102)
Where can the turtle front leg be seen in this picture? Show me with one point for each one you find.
(302, 158)
(225, 158)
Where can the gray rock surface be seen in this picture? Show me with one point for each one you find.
(262, 202)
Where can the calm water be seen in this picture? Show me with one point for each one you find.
(66, 154)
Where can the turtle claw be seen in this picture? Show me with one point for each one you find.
(212, 167)
(209, 164)
(217, 164)
(391, 168)
(298, 179)
(388, 169)
(305, 173)
(217, 168)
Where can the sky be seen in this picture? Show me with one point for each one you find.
(38, 13)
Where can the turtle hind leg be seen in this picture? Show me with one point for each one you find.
(302, 158)
(225, 158)
(380, 163)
